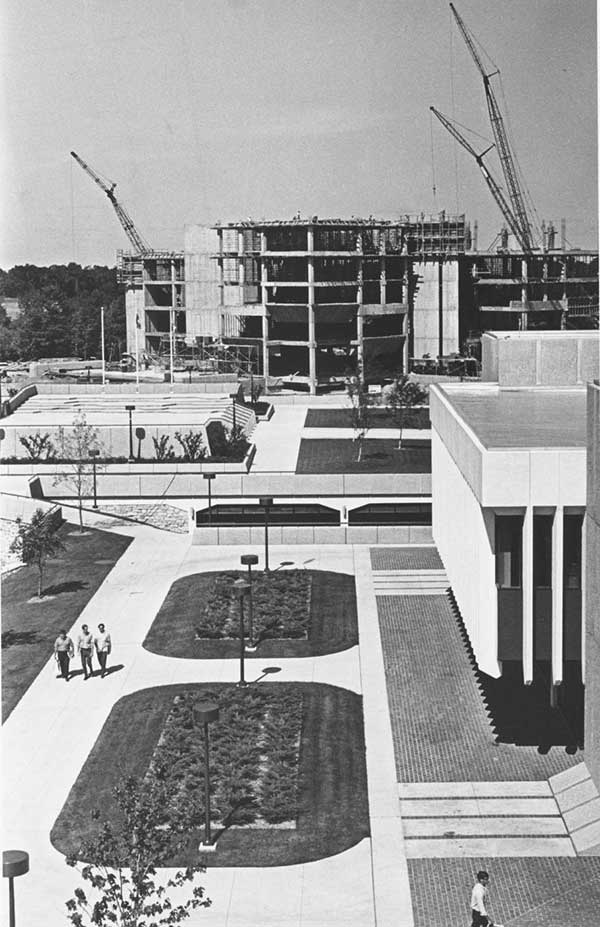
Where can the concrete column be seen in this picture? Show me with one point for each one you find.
(241, 265)
(312, 345)
(360, 322)
(584, 534)
(221, 270)
(440, 307)
(527, 585)
(265, 310)
(382, 273)
(524, 314)
(557, 595)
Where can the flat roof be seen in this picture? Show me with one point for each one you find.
(521, 418)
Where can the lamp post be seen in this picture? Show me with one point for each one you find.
(94, 452)
(250, 560)
(14, 863)
(209, 477)
(204, 713)
(266, 502)
(233, 397)
(241, 587)
(130, 409)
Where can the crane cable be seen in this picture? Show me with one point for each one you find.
(453, 105)
(434, 189)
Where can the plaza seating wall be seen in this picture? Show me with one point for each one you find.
(315, 534)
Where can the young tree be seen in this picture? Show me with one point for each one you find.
(122, 860)
(75, 447)
(401, 396)
(37, 541)
(362, 405)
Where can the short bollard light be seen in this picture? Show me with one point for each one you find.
(209, 477)
(241, 587)
(130, 409)
(205, 713)
(250, 560)
(14, 863)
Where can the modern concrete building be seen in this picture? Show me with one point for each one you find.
(315, 298)
(592, 590)
(509, 461)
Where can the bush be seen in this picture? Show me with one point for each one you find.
(163, 448)
(192, 445)
(38, 446)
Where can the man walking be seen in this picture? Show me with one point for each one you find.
(103, 647)
(478, 901)
(85, 642)
(63, 651)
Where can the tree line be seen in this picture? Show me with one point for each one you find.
(60, 312)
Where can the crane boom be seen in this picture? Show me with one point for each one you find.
(494, 187)
(123, 216)
(503, 148)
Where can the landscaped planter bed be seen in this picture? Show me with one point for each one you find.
(379, 418)
(379, 455)
(295, 613)
(287, 763)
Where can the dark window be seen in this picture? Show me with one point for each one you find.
(391, 513)
(572, 551)
(509, 532)
(542, 551)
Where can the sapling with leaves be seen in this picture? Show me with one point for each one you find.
(362, 406)
(75, 446)
(36, 541)
(402, 396)
(120, 862)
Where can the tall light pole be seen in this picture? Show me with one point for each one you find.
(266, 502)
(241, 587)
(94, 452)
(204, 713)
(250, 560)
(209, 477)
(14, 863)
(233, 397)
(130, 409)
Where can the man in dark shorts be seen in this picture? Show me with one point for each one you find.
(63, 651)
(478, 901)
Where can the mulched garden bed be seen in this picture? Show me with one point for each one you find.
(380, 418)
(296, 613)
(30, 625)
(380, 455)
(287, 760)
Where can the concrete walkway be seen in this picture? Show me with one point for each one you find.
(50, 733)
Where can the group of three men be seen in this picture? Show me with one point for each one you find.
(86, 643)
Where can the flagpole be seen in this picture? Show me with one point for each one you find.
(103, 351)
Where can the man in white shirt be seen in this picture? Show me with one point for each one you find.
(84, 647)
(103, 647)
(478, 898)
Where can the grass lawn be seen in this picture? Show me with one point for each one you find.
(319, 773)
(338, 455)
(380, 418)
(29, 628)
(302, 613)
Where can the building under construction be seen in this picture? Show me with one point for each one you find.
(312, 300)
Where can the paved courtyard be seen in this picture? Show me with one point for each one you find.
(426, 727)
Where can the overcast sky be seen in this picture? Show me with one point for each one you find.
(206, 110)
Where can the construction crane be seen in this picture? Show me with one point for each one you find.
(123, 216)
(495, 188)
(507, 160)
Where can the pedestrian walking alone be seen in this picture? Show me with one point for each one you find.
(478, 901)
(103, 648)
(85, 644)
(63, 651)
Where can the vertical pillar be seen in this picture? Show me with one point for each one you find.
(527, 584)
(241, 276)
(221, 285)
(382, 270)
(440, 307)
(524, 314)
(264, 297)
(583, 596)
(312, 345)
(360, 323)
(557, 595)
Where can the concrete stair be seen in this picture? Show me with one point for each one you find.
(475, 819)
(410, 582)
(579, 802)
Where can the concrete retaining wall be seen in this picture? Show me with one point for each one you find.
(315, 534)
